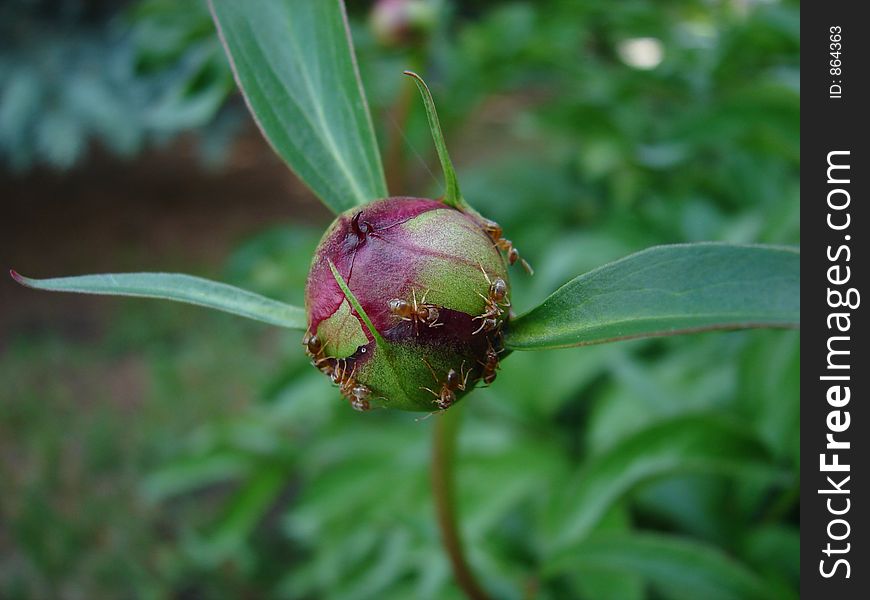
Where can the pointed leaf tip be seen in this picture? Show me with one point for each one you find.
(177, 287)
(452, 195)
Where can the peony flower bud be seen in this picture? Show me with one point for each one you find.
(434, 290)
(403, 22)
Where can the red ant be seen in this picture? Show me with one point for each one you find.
(337, 370)
(453, 382)
(495, 233)
(490, 367)
(414, 312)
(357, 393)
(359, 399)
(496, 303)
(314, 349)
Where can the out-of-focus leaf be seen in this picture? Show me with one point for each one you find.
(294, 62)
(774, 549)
(693, 443)
(188, 474)
(609, 584)
(247, 507)
(681, 568)
(667, 290)
(768, 397)
(181, 288)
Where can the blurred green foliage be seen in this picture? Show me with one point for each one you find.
(652, 469)
(121, 74)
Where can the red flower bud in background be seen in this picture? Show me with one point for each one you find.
(403, 22)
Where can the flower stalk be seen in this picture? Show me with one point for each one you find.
(443, 452)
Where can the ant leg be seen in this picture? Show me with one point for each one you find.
(482, 270)
(431, 370)
(421, 419)
(500, 338)
(464, 377)
(415, 319)
(337, 373)
(527, 267)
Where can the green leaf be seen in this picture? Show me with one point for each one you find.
(294, 62)
(181, 288)
(246, 509)
(667, 290)
(379, 340)
(452, 195)
(679, 567)
(185, 475)
(688, 444)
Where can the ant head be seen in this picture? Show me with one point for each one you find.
(313, 344)
(498, 290)
(492, 228)
(397, 305)
(447, 399)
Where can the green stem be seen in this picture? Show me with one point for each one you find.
(443, 452)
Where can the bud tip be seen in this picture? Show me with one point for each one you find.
(20, 279)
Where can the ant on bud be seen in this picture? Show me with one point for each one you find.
(357, 393)
(360, 398)
(339, 372)
(453, 382)
(495, 233)
(490, 367)
(314, 349)
(415, 312)
(496, 303)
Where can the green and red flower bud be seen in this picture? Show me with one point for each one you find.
(434, 290)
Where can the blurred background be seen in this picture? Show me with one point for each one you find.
(155, 450)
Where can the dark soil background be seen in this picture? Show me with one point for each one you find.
(163, 211)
